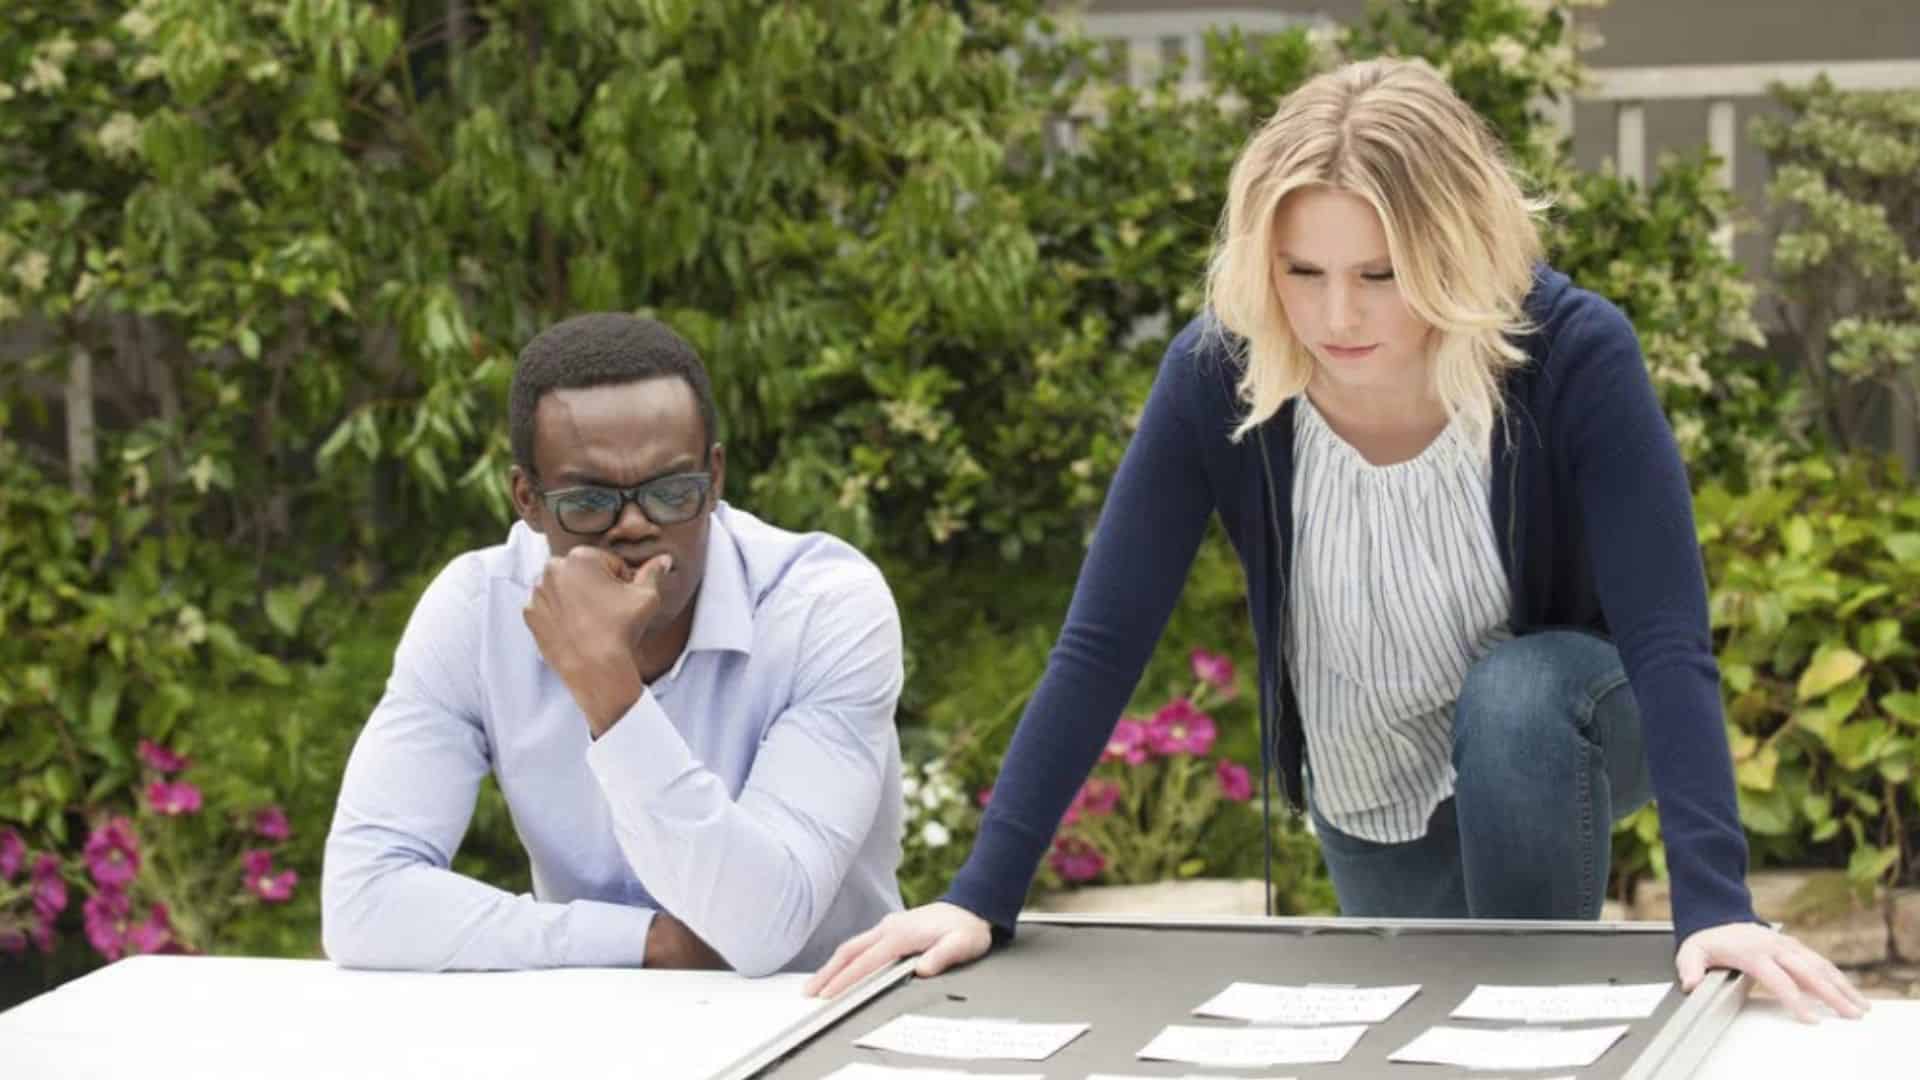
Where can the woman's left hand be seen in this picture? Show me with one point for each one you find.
(1788, 969)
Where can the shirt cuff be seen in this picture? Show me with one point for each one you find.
(600, 934)
(638, 757)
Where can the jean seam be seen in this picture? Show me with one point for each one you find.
(1596, 759)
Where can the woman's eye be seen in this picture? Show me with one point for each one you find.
(1384, 275)
(1303, 271)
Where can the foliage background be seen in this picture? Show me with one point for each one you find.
(263, 268)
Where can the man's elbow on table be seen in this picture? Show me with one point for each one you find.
(355, 930)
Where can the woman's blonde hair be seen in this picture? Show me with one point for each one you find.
(1461, 233)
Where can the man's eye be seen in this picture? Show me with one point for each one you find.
(592, 500)
(678, 492)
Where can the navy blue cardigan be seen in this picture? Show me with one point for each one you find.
(1595, 520)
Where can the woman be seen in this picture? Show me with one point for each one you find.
(1469, 549)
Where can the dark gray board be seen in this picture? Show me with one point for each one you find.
(1129, 979)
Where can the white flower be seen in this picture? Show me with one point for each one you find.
(44, 76)
(935, 835)
(325, 130)
(138, 24)
(1508, 51)
(909, 787)
(930, 797)
(31, 270)
(119, 136)
(148, 67)
(7, 92)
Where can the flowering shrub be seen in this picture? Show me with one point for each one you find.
(30, 904)
(940, 825)
(150, 882)
(1156, 792)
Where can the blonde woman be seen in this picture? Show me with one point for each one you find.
(1469, 549)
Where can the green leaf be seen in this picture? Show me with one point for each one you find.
(1902, 705)
(103, 705)
(1798, 535)
(1830, 667)
(1880, 639)
(1768, 813)
(287, 604)
(1756, 773)
(1864, 596)
(1191, 867)
(1903, 546)
(1869, 864)
(59, 782)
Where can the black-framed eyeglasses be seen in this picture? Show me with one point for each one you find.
(590, 510)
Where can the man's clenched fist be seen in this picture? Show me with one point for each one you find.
(587, 615)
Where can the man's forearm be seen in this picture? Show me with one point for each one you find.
(671, 945)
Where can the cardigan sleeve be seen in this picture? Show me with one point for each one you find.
(1636, 509)
(1148, 532)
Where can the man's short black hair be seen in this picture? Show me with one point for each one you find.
(601, 349)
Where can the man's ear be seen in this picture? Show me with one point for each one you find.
(718, 456)
(526, 502)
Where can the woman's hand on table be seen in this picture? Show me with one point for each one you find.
(1787, 968)
(943, 934)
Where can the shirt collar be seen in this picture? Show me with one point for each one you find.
(722, 612)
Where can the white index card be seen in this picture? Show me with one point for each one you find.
(1563, 1004)
(1251, 1047)
(1511, 1048)
(888, 1072)
(970, 1040)
(1187, 1076)
(1261, 1003)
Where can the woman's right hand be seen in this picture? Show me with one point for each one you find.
(943, 934)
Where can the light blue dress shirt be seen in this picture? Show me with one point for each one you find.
(753, 791)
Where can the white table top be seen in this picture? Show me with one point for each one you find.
(159, 1017)
(1765, 1041)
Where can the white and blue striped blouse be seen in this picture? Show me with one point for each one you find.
(1397, 590)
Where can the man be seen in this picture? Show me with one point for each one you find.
(689, 711)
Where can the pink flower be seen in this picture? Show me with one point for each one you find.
(173, 799)
(112, 853)
(985, 796)
(1215, 670)
(153, 935)
(1235, 783)
(271, 823)
(49, 888)
(278, 888)
(105, 914)
(1179, 728)
(1128, 742)
(1076, 860)
(1098, 797)
(13, 854)
(160, 759)
(263, 882)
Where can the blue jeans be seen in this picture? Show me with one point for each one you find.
(1546, 749)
